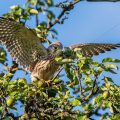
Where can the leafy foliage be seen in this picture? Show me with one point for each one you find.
(83, 94)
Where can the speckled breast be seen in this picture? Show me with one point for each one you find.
(44, 69)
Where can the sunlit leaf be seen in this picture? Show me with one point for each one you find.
(33, 11)
(110, 60)
(75, 102)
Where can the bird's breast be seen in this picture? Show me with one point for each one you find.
(45, 69)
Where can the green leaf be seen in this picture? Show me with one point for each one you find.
(13, 93)
(98, 100)
(2, 55)
(108, 79)
(58, 58)
(34, 2)
(111, 66)
(81, 118)
(33, 11)
(114, 117)
(75, 102)
(111, 71)
(105, 94)
(50, 2)
(14, 7)
(110, 60)
(50, 15)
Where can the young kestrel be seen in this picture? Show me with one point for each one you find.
(27, 50)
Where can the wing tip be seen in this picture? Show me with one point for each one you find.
(118, 45)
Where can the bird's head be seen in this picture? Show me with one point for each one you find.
(55, 48)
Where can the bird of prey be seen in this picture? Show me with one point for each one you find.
(27, 50)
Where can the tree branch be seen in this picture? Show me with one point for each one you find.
(93, 91)
(102, 0)
(37, 18)
(80, 83)
(59, 70)
(64, 9)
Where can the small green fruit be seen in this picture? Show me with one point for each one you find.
(33, 11)
(10, 102)
(22, 82)
(105, 94)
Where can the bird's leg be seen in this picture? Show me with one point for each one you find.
(48, 83)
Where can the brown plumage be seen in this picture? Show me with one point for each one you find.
(44, 69)
(91, 49)
(27, 50)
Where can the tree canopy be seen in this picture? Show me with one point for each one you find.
(81, 97)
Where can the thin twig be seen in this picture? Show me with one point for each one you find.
(64, 9)
(37, 18)
(93, 91)
(80, 82)
(102, 0)
(95, 112)
(59, 70)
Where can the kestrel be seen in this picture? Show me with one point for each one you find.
(27, 50)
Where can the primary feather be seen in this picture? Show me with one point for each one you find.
(91, 49)
(22, 43)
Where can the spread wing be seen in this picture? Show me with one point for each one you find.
(22, 43)
(91, 49)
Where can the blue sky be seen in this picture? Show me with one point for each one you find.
(89, 22)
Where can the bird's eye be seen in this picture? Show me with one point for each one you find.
(55, 48)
